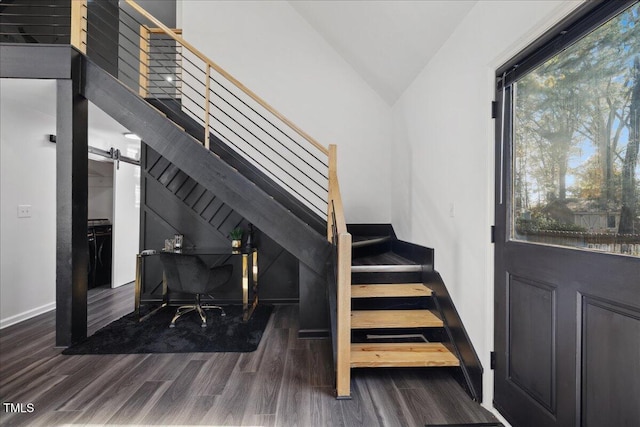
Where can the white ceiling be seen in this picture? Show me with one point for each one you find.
(387, 42)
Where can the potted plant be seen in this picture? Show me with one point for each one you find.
(236, 237)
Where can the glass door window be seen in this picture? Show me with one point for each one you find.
(576, 170)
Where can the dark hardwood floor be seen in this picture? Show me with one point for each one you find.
(286, 382)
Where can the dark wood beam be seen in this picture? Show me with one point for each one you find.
(72, 254)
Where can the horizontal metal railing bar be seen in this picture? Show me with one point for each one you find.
(228, 76)
(247, 155)
(268, 121)
(32, 24)
(136, 70)
(133, 54)
(21, 15)
(258, 163)
(265, 131)
(38, 15)
(135, 31)
(178, 42)
(50, 5)
(36, 34)
(277, 165)
(276, 127)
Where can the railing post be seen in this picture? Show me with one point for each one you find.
(332, 171)
(206, 107)
(79, 25)
(343, 302)
(145, 38)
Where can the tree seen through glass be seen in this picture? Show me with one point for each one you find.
(576, 172)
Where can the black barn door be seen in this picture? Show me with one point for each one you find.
(567, 254)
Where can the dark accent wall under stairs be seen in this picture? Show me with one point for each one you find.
(173, 109)
(172, 202)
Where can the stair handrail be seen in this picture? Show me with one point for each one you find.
(338, 235)
(228, 76)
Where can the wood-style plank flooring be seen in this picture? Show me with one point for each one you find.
(285, 382)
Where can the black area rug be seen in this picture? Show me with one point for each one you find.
(222, 334)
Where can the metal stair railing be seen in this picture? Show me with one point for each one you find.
(157, 63)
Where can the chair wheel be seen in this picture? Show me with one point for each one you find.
(223, 314)
(204, 325)
(172, 325)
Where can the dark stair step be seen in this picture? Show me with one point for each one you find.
(360, 241)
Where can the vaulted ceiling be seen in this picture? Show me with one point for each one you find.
(387, 42)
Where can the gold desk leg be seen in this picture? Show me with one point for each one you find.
(249, 309)
(254, 265)
(138, 285)
(245, 287)
(165, 299)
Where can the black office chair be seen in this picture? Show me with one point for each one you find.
(189, 274)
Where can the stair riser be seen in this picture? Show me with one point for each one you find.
(371, 229)
(371, 250)
(431, 334)
(405, 277)
(392, 303)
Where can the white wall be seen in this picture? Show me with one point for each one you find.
(443, 144)
(273, 51)
(28, 171)
(28, 165)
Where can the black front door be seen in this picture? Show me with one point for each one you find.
(567, 255)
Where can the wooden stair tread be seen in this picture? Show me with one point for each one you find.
(374, 319)
(390, 290)
(368, 355)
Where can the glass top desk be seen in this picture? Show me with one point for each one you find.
(249, 279)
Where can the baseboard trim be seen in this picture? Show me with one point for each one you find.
(313, 333)
(21, 317)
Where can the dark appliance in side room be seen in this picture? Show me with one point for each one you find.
(99, 239)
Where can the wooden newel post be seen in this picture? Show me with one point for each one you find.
(145, 38)
(79, 25)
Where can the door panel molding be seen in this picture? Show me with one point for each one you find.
(609, 363)
(532, 335)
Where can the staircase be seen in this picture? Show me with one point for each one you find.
(392, 312)
(231, 158)
(396, 318)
